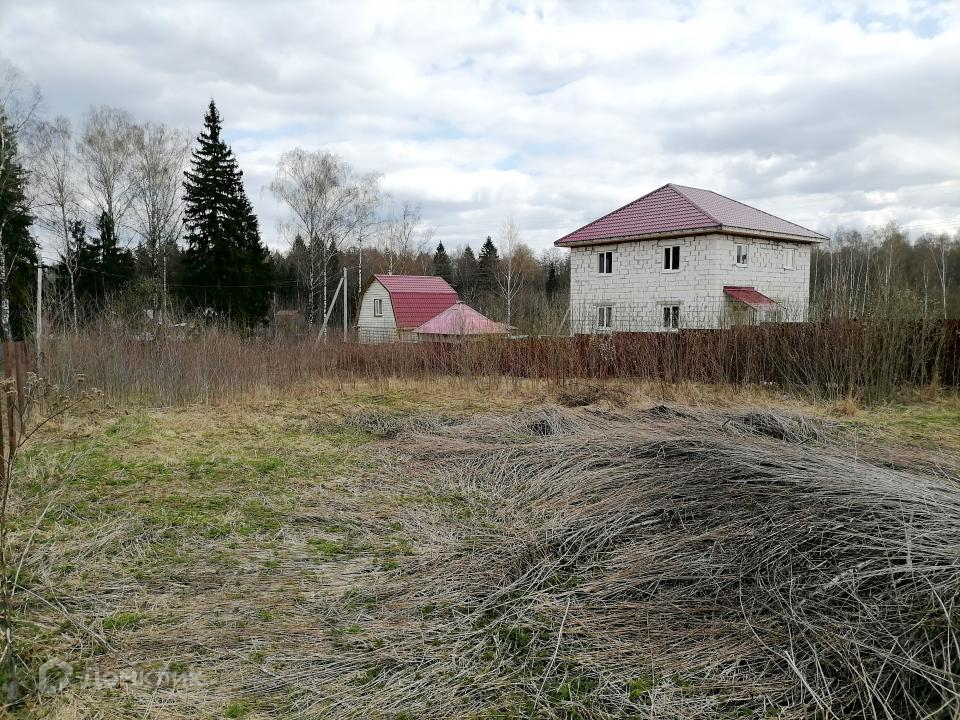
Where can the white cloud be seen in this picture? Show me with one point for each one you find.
(551, 112)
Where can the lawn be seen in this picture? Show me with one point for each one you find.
(230, 560)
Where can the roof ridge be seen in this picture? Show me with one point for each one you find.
(676, 188)
(389, 275)
(740, 202)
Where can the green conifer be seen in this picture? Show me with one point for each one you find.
(226, 267)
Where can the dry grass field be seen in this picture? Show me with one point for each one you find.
(497, 549)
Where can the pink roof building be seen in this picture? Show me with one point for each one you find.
(677, 209)
(411, 307)
(683, 257)
(459, 320)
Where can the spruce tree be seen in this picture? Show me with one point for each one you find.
(552, 283)
(19, 250)
(226, 267)
(467, 272)
(109, 267)
(441, 263)
(487, 265)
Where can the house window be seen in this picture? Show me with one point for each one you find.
(605, 317)
(741, 254)
(789, 258)
(671, 258)
(671, 317)
(377, 307)
(606, 262)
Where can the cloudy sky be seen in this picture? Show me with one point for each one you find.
(550, 112)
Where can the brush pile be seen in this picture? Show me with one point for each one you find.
(664, 565)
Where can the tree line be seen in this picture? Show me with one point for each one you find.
(144, 222)
(881, 272)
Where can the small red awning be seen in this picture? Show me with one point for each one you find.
(756, 300)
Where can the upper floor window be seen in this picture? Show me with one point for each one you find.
(377, 307)
(742, 257)
(671, 317)
(789, 258)
(605, 317)
(671, 258)
(605, 262)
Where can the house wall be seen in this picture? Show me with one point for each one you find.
(371, 328)
(639, 287)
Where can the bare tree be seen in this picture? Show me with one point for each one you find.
(105, 146)
(158, 159)
(403, 237)
(55, 180)
(363, 216)
(509, 279)
(318, 188)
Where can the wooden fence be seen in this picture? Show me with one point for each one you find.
(19, 360)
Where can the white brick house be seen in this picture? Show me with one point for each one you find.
(683, 257)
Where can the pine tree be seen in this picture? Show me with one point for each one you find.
(487, 266)
(441, 263)
(226, 267)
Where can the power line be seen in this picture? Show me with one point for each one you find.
(188, 285)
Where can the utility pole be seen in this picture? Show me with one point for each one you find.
(39, 308)
(164, 300)
(345, 283)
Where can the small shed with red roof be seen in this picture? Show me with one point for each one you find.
(393, 306)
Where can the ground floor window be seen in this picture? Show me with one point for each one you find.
(671, 317)
(605, 317)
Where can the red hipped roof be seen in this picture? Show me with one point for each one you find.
(417, 298)
(756, 300)
(676, 208)
(461, 319)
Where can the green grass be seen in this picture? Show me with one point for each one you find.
(237, 709)
(123, 621)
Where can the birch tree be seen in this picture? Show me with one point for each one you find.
(509, 278)
(105, 147)
(55, 179)
(363, 216)
(318, 190)
(402, 237)
(158, 159)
